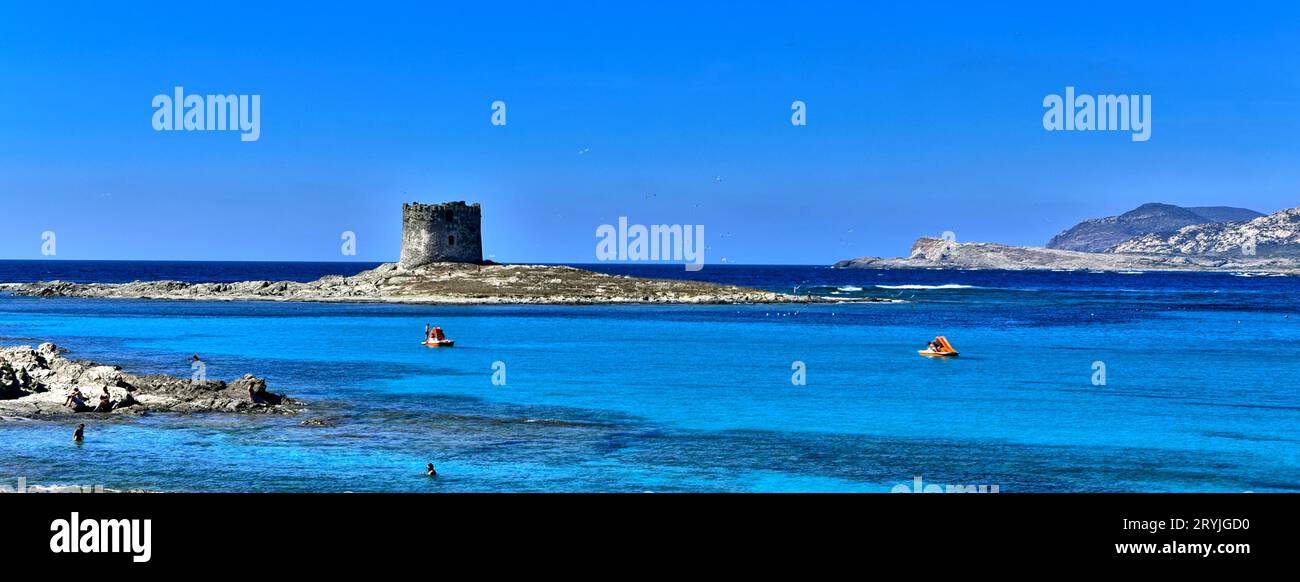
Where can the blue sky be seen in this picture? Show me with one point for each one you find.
(920, 120)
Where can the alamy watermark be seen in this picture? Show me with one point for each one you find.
(1072, 112)
(498, 373)
(657, 242)
(1099, 373)
(918, 486)
(93, 536)
(349, 246)
(799, 115)
(24, 487)
(499, 113)
(1250, 246)
(181, 112)
(199, 371)
(949, 242)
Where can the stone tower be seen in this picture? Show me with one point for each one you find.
(434, 233)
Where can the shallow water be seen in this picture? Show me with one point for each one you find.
(1200, 389)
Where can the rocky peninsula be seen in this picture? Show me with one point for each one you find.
(36, 383)
(937, 253)
(1266, 244)
(1099, 235)
(435, 283)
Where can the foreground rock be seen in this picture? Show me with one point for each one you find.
(935, 253)
(36, 383)
(437, 283)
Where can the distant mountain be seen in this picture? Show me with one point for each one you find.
(1263, 244)
(937, 253)
(1100, 234)
(1226, 213)
(1277, 234)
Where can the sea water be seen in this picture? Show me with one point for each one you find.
(1199, 390)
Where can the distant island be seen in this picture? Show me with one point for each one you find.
(441, 262)
(1150, 237)
(435, 283)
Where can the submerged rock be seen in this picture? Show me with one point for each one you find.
(37, 382)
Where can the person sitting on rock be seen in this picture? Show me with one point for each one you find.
(75, 399)
(257, 392)
(254, 397)
(105, 402)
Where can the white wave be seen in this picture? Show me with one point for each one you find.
(57, 489)
(927, 287)
(849, 288)
(1265, 274)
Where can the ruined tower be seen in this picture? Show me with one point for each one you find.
(433, 233)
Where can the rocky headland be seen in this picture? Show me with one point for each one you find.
(1099, 235)
(1267, 244)
(1277, 234)
(937, 253)
(36, 382)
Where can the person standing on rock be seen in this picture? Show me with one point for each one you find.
(79, 435)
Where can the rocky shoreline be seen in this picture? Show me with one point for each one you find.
(440, 283)
(36, 382)
(936, 253)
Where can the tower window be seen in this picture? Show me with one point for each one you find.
(451, 240)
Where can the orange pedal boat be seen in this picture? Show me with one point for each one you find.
(436, 339)
(945, 349)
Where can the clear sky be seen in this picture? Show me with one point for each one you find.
(919, 121)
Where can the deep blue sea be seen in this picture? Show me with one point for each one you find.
(1200, 392)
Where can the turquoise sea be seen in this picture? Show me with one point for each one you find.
(1200, 390)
